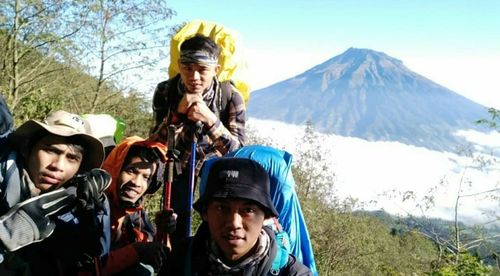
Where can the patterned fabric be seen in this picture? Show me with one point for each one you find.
(200, 57)
(217, 266)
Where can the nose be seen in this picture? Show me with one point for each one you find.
(134, 180)
(234, 220)
(58, 163)
(196, 75)
(138, 180)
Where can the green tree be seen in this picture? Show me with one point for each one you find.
(34, 37)
(466, 265)
(312, 171)
(121, 38)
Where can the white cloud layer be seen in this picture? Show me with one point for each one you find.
(381, 172)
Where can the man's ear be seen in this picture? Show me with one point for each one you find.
(217, 69)
(204, 215)
(25, 149)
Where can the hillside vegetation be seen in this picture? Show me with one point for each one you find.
(48, 62)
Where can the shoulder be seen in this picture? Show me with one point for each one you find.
(162, 87)
(232, 93)
(163, 91)
(295, 268)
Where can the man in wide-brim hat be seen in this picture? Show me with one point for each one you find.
(51, 191)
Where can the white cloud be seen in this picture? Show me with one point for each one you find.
(366, 170)
(491, 139)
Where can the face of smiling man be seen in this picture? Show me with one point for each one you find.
(52, 161)
(235, 225)
(197, 78)
(134, 179)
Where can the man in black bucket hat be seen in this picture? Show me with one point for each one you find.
(232, 239)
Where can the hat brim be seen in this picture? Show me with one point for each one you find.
(242, 191)
(95, 150)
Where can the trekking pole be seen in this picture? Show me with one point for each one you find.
(167, 188)
(192, 174)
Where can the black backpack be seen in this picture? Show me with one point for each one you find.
(6, 120)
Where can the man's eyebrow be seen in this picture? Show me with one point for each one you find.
(78, 155)
(140, 165)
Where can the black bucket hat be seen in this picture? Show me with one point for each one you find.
(233, 177)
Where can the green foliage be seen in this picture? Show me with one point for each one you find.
(348, 244)
(461, 264)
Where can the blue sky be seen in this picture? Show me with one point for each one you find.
(454, 43)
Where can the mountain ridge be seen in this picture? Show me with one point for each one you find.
(368, 94)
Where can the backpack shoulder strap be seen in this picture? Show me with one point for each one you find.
(283, 243)
(165, 98)
(173, 93)
(226, 89)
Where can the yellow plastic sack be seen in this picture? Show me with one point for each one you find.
(231, 60)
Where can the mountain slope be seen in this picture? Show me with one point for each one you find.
(370, 95)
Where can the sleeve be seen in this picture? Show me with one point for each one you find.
(230, 135)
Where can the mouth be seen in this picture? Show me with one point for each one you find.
(234, 239)
(130, 192)
(195, 86)
(50, 179)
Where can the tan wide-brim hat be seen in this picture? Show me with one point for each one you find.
(64, 124)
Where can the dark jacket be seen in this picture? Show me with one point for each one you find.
(226, 135)
(78, 243)
(191, 255)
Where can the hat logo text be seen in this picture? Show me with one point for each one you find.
(229, 174)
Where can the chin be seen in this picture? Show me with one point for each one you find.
(127, 202)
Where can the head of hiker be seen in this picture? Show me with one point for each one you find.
(108, 129)
(235, 204)
(198, 63)
(57, 148)
(137, 174)
(134, 167)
